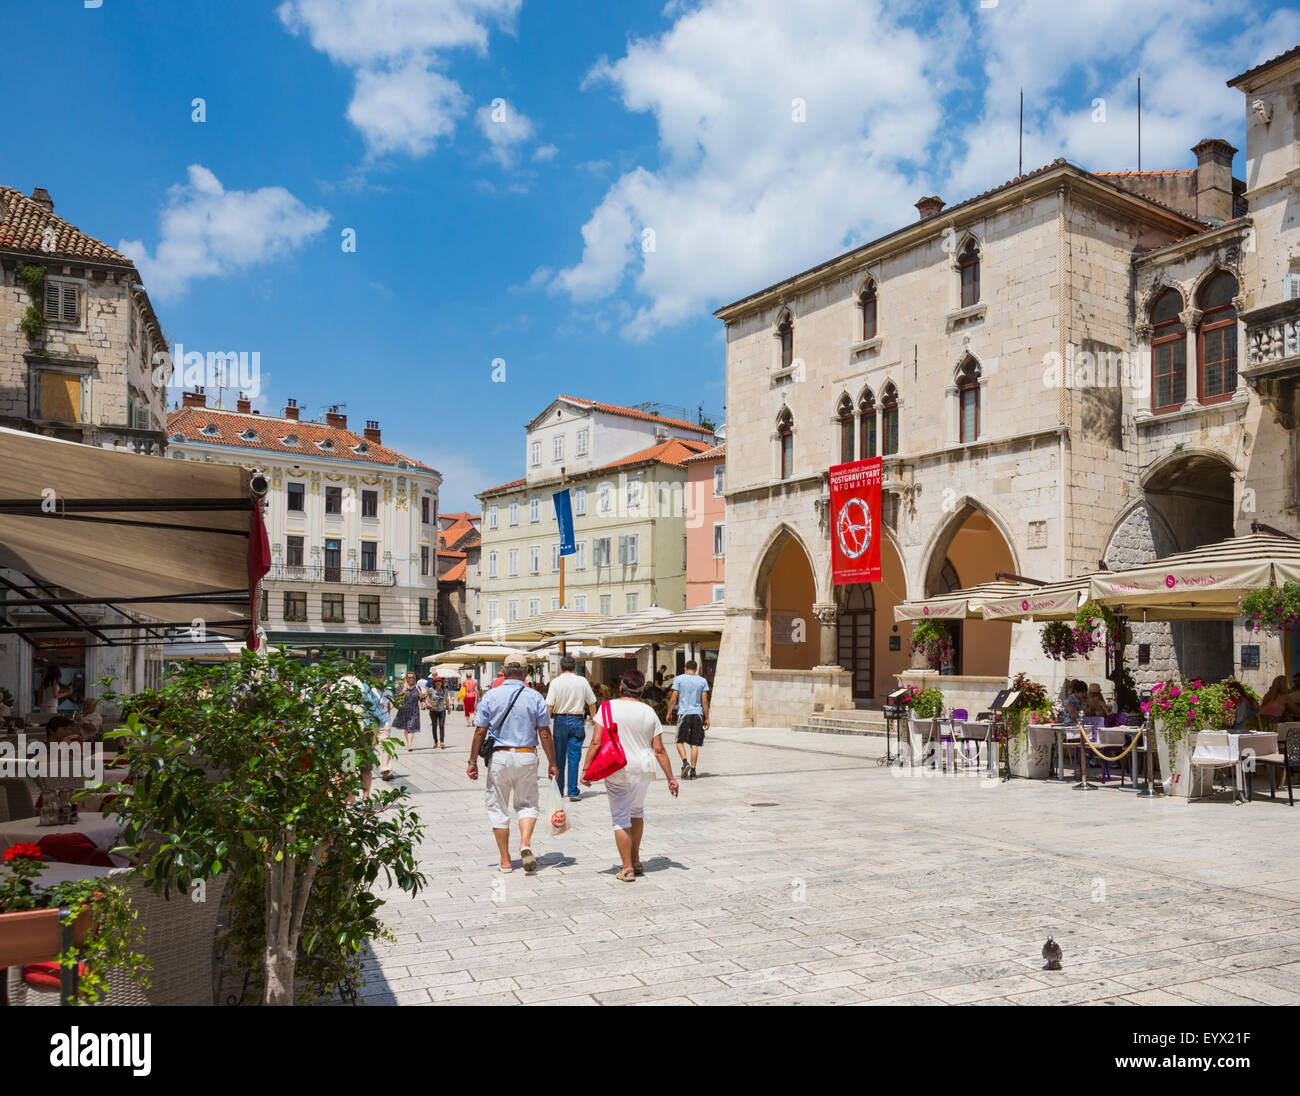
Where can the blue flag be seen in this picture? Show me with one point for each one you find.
(564, 519)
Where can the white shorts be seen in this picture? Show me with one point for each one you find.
(512, 776)
(626, 802)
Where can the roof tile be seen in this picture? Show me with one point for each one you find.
(23, 225)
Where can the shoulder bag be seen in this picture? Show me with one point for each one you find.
(490, 739)
(610, 757)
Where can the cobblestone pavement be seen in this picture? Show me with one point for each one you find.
(794, 870)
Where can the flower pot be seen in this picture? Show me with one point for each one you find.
(1175, 765)
(920, 661)
(35, 936)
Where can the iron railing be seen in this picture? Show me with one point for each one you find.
(348, 576)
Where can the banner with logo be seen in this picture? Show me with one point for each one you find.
(564, 519)
(855, 521)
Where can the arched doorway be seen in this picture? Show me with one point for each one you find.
(787, 589)
(868, 642)
(856, 638)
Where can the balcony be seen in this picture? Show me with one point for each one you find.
(1273, 358)
(347, 576)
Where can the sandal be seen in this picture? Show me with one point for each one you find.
(637, 869)
(530, 861)
(626, 876)
(505, 871)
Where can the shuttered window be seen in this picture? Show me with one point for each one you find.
(62, 303)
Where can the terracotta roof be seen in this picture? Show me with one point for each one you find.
(189, 422)
(718, 452)
(23, 225)
(458, 530)
(456, 574)
(633, 413)
(501, 487)
(451, 553)
(672, 452)
(1294, 51)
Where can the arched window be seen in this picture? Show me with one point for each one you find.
(867, 303)
(867, 424)
(948, 580)
(1168, 352)
(845, 415)
(785, 332)
(1217, 344)
(889, 416)
(968, 399)
(968, 262)
(785, 439)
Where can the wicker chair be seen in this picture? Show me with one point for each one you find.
(178, 940)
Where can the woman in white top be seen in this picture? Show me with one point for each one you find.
(641, 736)
(52, 690)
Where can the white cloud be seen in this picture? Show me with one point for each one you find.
(505, 128)
(545, 153)
(396, 48)
(208, 231)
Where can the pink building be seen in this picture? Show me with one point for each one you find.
(706, 526)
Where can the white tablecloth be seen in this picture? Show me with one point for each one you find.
(103, 830)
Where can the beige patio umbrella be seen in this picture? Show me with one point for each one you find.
(473, 653)
(690, 625)
(593, 633)
(959, 604)
(537, 628)
(1052, 601)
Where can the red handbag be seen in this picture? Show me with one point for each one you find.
(610, 757)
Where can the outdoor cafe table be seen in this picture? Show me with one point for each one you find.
(102, 830)
(1258, 742)
(53, 871)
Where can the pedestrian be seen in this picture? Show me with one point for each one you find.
(470, 698)
(690, 698)
(661, 676)
(387, 712)
(408, 710)
(370, 712)
(641, 736)
(51, 690)
(438, 701)
(570, 701)
(517, 720)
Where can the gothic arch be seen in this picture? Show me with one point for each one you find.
(940, 541)
(772, 548)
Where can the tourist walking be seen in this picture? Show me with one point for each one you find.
(388, 712)
(570, 701)
(470, 689)
(641, 736)
(51, 690)
(516, 718)
(690, 698)
(437, 701)
(408, 710)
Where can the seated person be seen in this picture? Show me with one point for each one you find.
(1094, 704)
(91, 720)
(61, 729)
(1075, 701)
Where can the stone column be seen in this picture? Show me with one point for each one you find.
(827, 614)
(1192, 321)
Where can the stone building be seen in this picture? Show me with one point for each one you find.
(459, 596)
(706, 527)
(352, 524)
(1051, 371)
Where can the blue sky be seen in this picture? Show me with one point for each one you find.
(643, 164)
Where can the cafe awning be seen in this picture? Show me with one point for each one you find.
(1051, 601)
(593, 633)
(959, 604)
(473, 653)
(159, 540)
(536, 628)
(689, 626)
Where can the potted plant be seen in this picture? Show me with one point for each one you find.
(250, 767)
(1178, 710)
(923, 703)
(104, 931)
(1274, 609)
(931, 644)
(1033, 705)
(1058, 641)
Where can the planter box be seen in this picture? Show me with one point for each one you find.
(35, 936)
(1176, 766)
(1028, 760)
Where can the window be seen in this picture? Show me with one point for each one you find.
(494, 610)
(333, 560)
(514, 513)
(424, 559)
(295, 494)
(293, 551)
(555, 603)
(265, 610)
(1291, 286)
(370, 506)
(600, 552)
(534, 606)
(535, 456)
(580, 556)
(492, 565)
(968, 399)
(59, 398)
(846, 428)
(369, 555)
(867, 305)
(132, 326)
(492, 517)
(606, 498)
(719, 593)
(512, 562)
(62, 302)
(580, 603)
(582, 443)
(889, 416)
(719, 480)
(534, 510)
(331, 608)
(580, 502)
(424, 508)
(333, 500)
(368, 608)
(557, 448)
(633, 493)
(785, 444)
(295, 605)
(535, 560)
(1217, 345)
(424, 611)
(1168, 352)
(555, 556)
(785, 334)
(628, 550)
(719, 539)
(867, 425)
(632, 601)
(512, 610)
(606, 604)
(968, 263)
(684, 543)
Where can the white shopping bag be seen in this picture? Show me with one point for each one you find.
(553, 805)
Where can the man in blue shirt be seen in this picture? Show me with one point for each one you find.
(690, 696)
(517, 718)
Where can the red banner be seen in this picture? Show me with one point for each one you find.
(855, 521)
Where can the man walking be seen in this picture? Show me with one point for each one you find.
(570, 701)
(516, 717)
(690, 696)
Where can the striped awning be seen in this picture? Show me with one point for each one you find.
(960, 604)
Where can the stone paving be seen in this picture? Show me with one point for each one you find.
(795, 870)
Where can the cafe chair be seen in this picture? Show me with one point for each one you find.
(1287, 757)
(1213, 751)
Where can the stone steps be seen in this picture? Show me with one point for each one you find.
(844, 721)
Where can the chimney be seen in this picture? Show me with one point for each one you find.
(244, 405)
(372, 431)
(42, 198)
(1214, 180)
(335, 419)
(291, 410)
(197, 398)
(930, 207)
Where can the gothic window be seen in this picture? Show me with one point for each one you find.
(1168, 352)
(1217, 344)
(968, 399)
